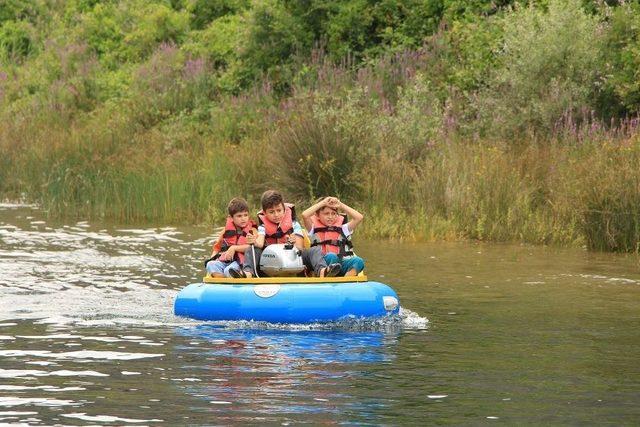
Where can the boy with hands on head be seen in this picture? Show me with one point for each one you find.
(330, 231)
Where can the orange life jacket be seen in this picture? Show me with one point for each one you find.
(331, 238)
(233, 236)
(278, 233)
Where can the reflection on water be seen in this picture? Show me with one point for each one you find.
(264, 374)
(516, 334)
(316, 346)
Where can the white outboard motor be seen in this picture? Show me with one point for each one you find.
(281, 260)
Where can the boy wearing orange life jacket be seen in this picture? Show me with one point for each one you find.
(279, 225)
(228, 251)
(330, 231)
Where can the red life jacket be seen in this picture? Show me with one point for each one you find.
(234, 236)
(331, 237)
(278, 233)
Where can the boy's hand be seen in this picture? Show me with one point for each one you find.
(291, 238)
(251, 238)
(228, 254)
(333, 202)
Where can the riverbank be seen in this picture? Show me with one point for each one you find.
(472, 129)
(581, 193)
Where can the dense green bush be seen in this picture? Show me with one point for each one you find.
(203, 12)
(16, 41)
(313, 158)
(367, 29)
(22, 10)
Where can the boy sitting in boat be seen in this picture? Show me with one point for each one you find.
(330, 231)
(229, 250)
(278, 225)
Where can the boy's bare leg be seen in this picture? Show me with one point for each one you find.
(351, 272)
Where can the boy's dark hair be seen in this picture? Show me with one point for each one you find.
(271, 198)
(237, 204)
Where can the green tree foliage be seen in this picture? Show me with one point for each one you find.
(622, 95)
(273, 37)
(203, 12)
(130, 34)
(366, 28)
(519, 69)
(550, 66)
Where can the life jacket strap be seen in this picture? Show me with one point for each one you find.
(340, 244)
(278, 234)
(330, 228)
(233, 233)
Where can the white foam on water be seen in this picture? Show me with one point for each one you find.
(23, 373)
(83, 354)
(622, 280)
(41, 387)
(412, 320)
(405, 320)
(35, 401)
(53, 336)
(108, 418)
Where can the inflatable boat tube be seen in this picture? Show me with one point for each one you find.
(287, 300)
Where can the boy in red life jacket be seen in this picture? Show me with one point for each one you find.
(228, 251)
(330, 231)
(279, 225)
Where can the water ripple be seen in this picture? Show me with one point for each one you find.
(24, 373)
(84, 354)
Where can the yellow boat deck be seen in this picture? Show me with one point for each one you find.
(283, 280)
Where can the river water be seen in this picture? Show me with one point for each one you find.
(489, 334)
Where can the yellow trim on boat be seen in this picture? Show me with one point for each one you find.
(283, 280)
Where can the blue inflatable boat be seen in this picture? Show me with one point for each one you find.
(287, 299)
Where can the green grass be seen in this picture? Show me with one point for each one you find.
(556, 193)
